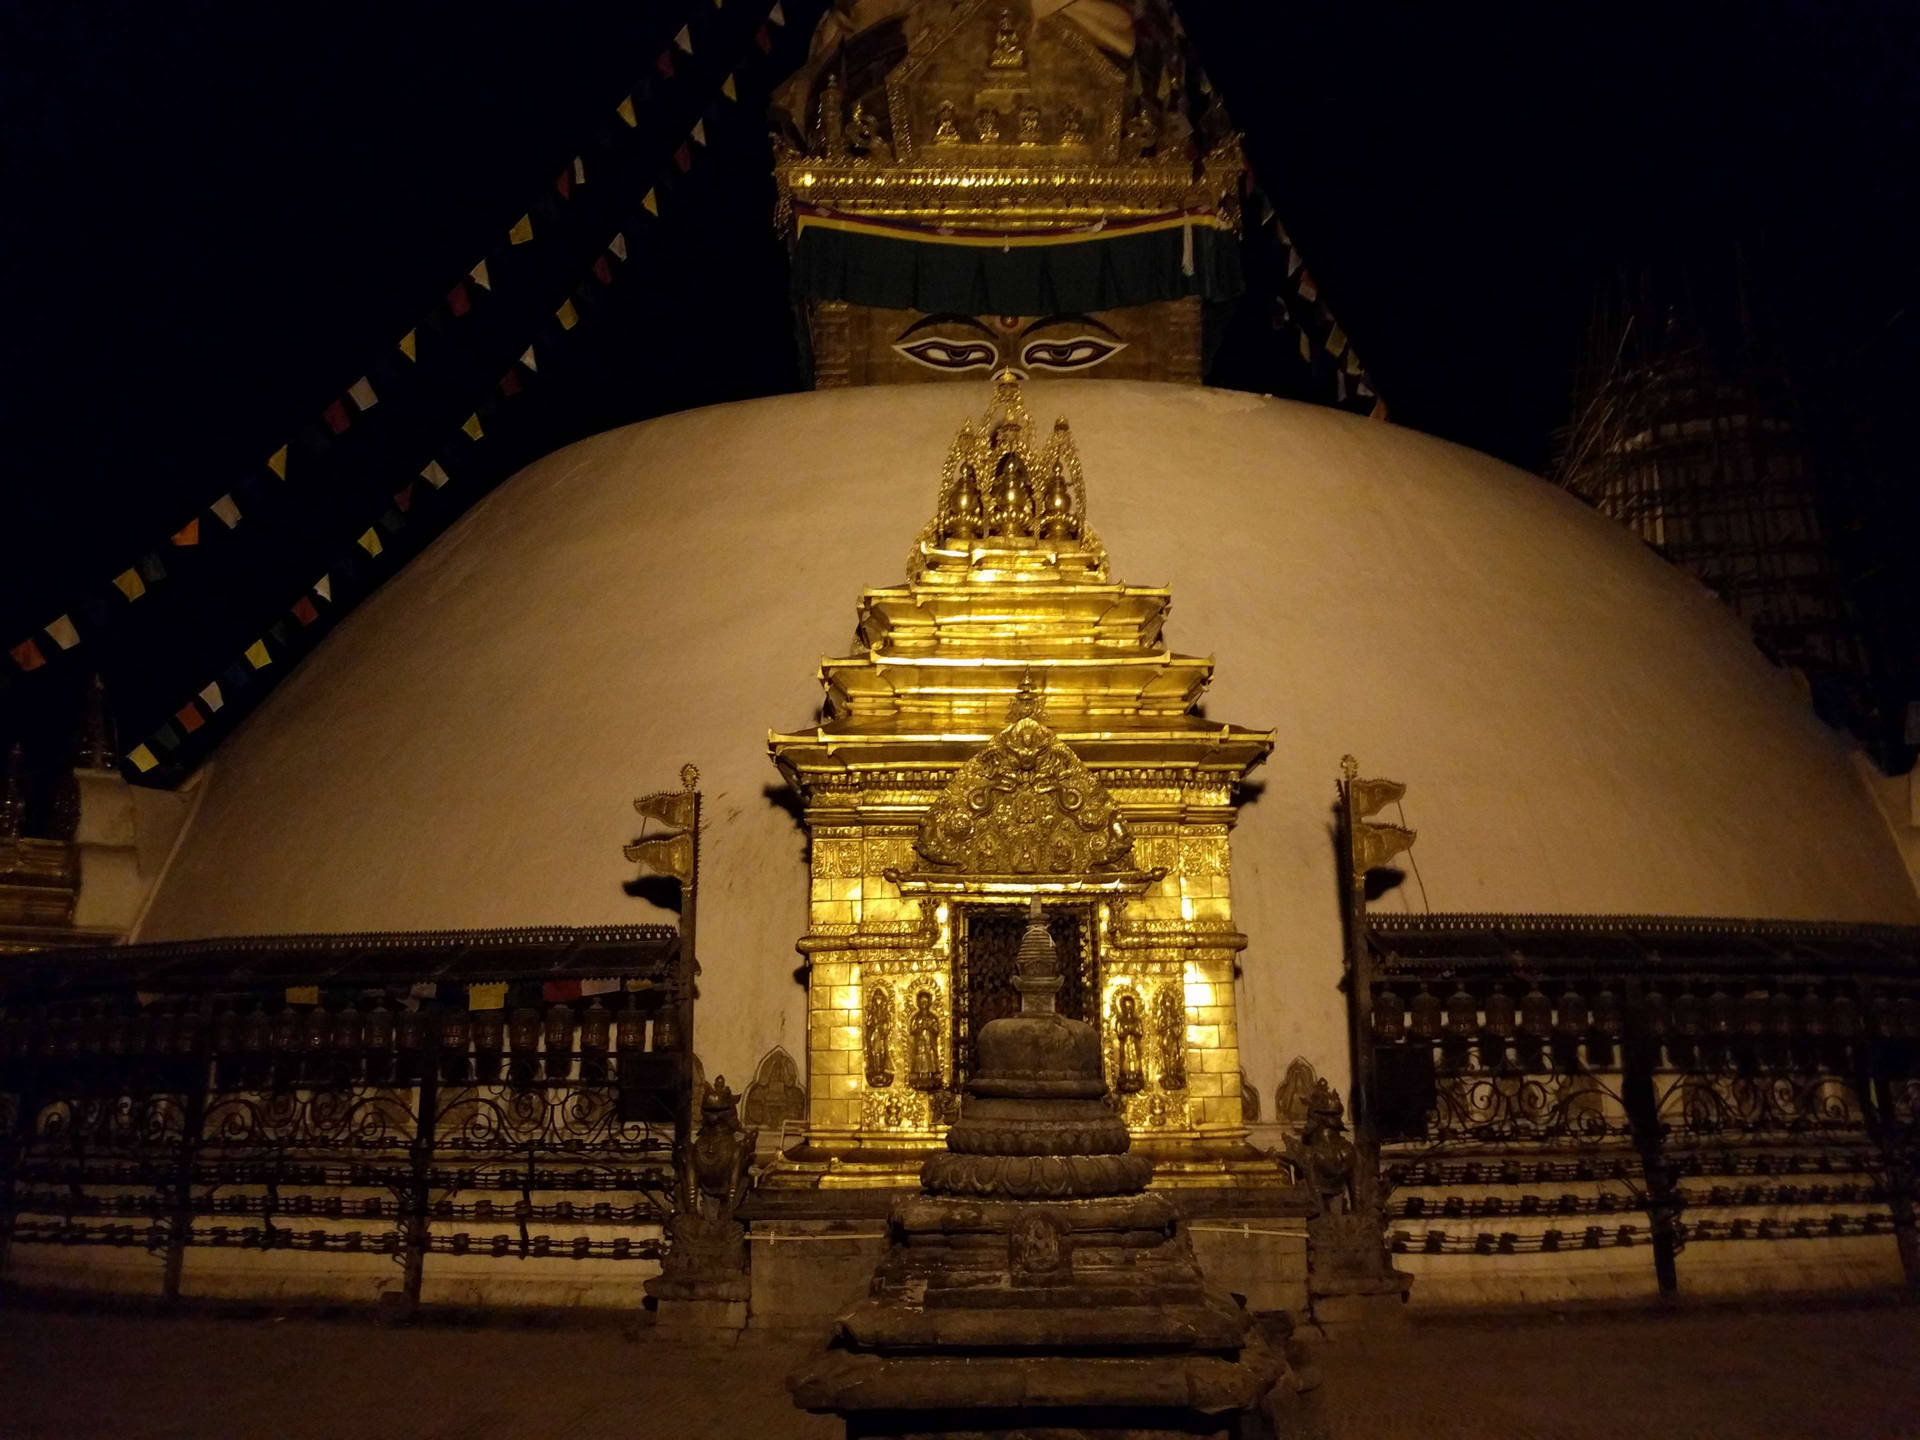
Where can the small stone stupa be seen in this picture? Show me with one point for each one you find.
(1035, 1286)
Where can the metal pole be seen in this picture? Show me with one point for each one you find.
(1638, 1055)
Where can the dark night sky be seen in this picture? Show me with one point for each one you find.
(219, 210)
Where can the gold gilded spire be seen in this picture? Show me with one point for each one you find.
(1009, 506)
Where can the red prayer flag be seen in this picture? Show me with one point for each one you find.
(560, 990)
(189, 534)
(602, 271)
(665, 63)
(27, 655)
(304, 611)
(403, 499)
(764, 40)
(457, 300)
(189, 717)
(336, 417)
(564, 184)
(683, 157)
(510, 383)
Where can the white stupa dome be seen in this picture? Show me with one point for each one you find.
(1581, 727)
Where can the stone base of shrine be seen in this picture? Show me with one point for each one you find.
(1371, 1304)
(982, 1397)
(700, 1321)
(812, 1252)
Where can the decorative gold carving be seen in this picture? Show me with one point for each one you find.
(878, 1001)
(1063, 88)
(1170, 1035)
(1001, 494)
(1009, 51)
(1024, 805)
(1130, 1073)
(923, 1043)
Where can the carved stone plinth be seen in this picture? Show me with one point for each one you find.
(1034, 1287)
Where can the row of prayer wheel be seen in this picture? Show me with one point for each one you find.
(159, 1031)
(1753, 1014)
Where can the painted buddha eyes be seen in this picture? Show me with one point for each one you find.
(1030, 349)
(951, 354)
(1075, 352)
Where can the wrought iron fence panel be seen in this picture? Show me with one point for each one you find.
(1727, 1080)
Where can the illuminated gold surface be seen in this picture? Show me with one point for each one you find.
(960, 133)
(918, 804)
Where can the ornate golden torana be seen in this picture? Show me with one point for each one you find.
(975, 184)
(1013, 728)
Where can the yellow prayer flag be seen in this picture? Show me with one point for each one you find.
(522, 232)
(129, 584)
(481, 277)
(1336, 341)
(303, 995)
(472, 427)
(410, 344)
(142, 758)
(257, 655)
(63, 632)
(492, 996)
(567, 316)
(370, 541)
(727, 89)
(625, 110)
(1306, 350)
(277, 462)
(652, 202)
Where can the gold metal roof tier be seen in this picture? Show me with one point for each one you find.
(1010, 593)
(908, 619)
(1119, 690)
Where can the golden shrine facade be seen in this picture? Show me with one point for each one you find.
(1014, 729)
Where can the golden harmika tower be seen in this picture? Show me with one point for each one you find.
(1014, 729)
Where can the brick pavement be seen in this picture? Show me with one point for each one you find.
(1784, 1372)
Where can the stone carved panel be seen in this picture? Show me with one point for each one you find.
(776, 1095)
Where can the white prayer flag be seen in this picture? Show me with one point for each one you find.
(434, 475)
(323, 587)
(362, 394)
(211, 696)
(228, 512)
(63, 633)
(480, 276)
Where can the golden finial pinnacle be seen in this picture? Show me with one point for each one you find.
(1349, 767)
(1027, 700)
(690, 776)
